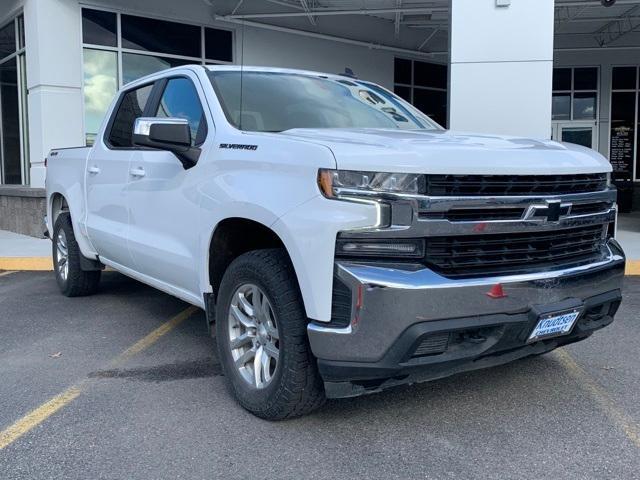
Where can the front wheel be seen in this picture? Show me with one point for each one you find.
(72, 280)
(262, 338)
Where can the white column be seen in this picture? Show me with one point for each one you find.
(501, 66)
(54, 79)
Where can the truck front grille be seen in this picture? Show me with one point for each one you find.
(501, 254)
(513, 185)
(489, 213)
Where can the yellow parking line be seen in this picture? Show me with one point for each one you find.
(26, 263)
(633, 267)
(44, 411)
(154, 336)
(2, 274)
(618, 416)
(37, 416)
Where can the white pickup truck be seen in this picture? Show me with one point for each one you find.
(340, 241)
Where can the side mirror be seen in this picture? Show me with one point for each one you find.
(170, 134)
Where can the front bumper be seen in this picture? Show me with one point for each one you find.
(410, 325)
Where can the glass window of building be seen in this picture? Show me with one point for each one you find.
(145, 46)
(100, 86)
(13, 104)
(151, 35)
(625, 122)
(424, 85)
(99, 28)
(575, 93)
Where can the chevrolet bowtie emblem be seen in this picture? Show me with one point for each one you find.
(551, 210)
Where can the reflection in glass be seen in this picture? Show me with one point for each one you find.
(100, 86)
(561, 106)
(10, 121)
(180, 100)
(131, 107)
(276, 102)
(135, 66)
(584, 106)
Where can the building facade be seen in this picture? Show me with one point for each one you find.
(522, 67)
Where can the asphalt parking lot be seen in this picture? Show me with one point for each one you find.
(117, 392)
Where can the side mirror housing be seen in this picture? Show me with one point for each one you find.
(170, 134)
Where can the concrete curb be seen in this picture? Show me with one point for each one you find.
(40, 264)
(633, 267)
(29, 264)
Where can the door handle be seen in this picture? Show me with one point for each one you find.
(93, 170)
(137, 172)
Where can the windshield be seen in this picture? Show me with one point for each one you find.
(274, 102)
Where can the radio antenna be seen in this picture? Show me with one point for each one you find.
(241, 75)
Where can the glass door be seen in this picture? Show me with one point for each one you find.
(580, 133)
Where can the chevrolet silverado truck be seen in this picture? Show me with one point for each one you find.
(339, 240)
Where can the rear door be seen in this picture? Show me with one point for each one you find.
(107, 178)
(163, 196)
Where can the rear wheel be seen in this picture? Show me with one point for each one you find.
(262, 339)
(72, 280)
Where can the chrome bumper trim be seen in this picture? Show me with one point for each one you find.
(393, 299)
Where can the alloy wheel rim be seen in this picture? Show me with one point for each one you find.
(62, 255)
(254, 338)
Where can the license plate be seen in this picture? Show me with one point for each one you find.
(554, 324)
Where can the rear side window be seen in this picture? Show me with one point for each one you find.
(131, 107)
(180, 100)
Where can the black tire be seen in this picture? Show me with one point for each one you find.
(296, 387)
(77, 283)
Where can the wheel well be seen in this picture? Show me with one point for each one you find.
(58, 205)
(232, 238)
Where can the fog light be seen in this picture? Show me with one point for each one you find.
(404, 248)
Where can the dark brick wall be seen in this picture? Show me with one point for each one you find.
(22, 210)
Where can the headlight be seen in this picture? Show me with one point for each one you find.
(336, 183)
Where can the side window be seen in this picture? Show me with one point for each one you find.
(180, 100)
(131, 107)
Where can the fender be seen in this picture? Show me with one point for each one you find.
(75, 201)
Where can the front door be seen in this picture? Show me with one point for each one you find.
(107, 178)
(580, 133)
(163, 223)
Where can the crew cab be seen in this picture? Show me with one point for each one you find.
(339, 240)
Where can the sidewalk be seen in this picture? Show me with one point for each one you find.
(629, 234)
(20, 252)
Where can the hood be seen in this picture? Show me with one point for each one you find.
(447, 152)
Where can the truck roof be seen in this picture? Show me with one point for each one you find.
(244, 68)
